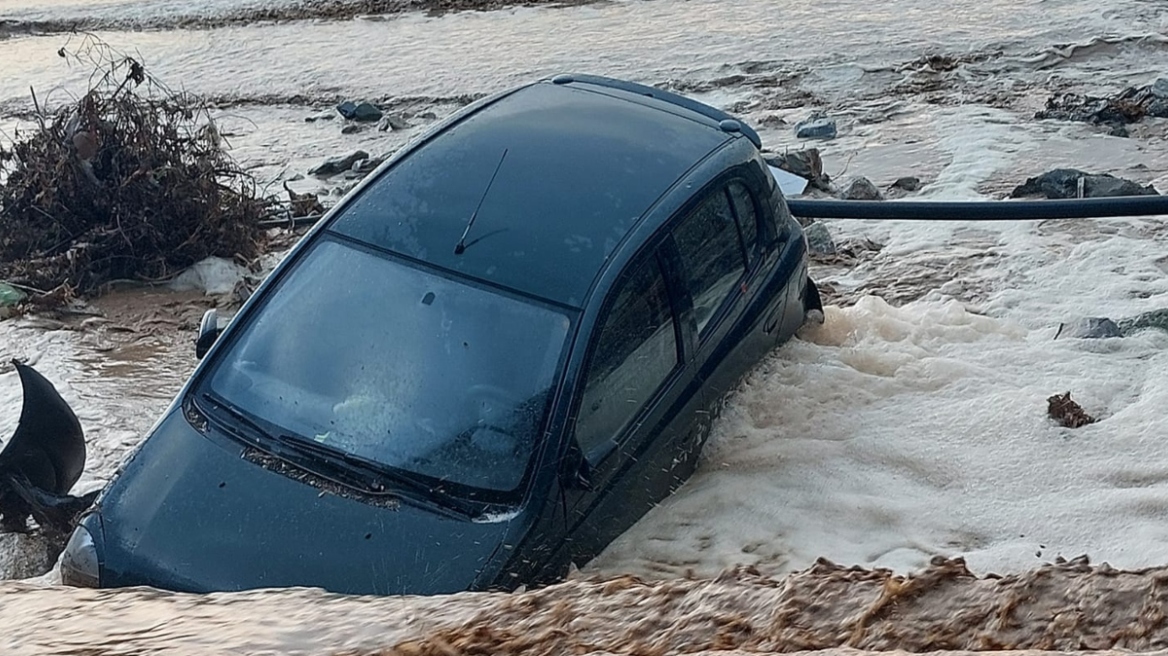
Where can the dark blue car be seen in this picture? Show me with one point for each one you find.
(483, 365)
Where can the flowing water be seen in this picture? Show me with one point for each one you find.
(911, 426)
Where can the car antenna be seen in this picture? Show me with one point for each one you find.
(461, 245)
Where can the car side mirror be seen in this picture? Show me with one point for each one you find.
(577, 471)
(208, 332)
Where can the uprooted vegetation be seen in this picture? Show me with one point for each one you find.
(129, 182)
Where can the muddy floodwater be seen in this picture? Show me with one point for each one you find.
(909, 430)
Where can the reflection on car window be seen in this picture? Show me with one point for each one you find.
(708, 242)
(635, 350)
(399, 365)
(747, 219)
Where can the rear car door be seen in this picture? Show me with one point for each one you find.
(718, 251)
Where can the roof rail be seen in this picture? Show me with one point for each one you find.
(726, 122)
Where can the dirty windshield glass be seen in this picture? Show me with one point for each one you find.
(392, 363)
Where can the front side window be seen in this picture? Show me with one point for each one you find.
(634, 353)
(711, 253)
(397, 364)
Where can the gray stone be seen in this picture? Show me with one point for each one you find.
(862, 189)
(1160, 88)
(347, 109)
(907, 183)
(1065, 183)
(1088, 328)
(351, 128)
(819, 240)
(366, 113)
(816, 127)
(338, 164)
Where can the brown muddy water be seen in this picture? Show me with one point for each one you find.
(1063, 607)
(907, 431)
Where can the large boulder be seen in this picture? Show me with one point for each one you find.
(1065, 183)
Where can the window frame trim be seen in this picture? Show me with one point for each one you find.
(749, 269)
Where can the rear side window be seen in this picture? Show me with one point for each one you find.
(747, 218)
(712, 256)
(636, 349)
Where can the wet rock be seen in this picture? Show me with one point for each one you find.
(771, 121)
(1067, 183)
(338, 164)
(365, 112)
(804, 163)
(1160, 88)
(817, 126)
(1066, 412)
(907, 183)
(351, 128)
(1089, 328)
(861, 189)
(1157, 319)
(347, 109)
(819, 240)
(393, 122)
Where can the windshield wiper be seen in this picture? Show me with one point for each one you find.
(378, 470)
(375, 473)
(261, 433)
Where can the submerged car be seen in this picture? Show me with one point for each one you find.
(486, 363)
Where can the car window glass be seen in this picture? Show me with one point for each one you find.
(747, 219)
(635, 350)
(396, 364)
(707, 240)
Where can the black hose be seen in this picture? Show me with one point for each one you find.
(1013, 210)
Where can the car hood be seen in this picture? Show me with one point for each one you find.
(189, 513)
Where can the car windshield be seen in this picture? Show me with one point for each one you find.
(398, 365)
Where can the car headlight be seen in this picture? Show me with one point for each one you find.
(79, 563)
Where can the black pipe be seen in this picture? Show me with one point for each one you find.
(1012, 210)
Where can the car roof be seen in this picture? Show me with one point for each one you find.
(583, 163)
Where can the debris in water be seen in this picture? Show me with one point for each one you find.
(131, 181)
(393, 122)
(306, 204)
(1073, 183)
(1065, 411)
(42, 461)
(1114, 112)
(804, 163)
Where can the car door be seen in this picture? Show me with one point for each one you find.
(635, 409)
